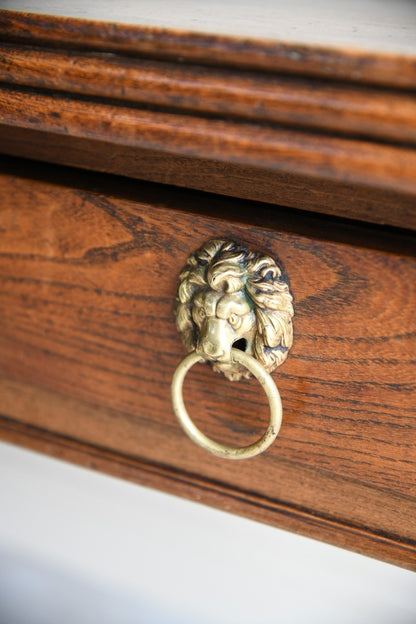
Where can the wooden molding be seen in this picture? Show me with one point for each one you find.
(392, 70)
(302, 103)
(343, 177)
(202, 119)
(270, 149)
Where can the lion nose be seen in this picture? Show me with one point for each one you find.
(212, 350)
(214, 342)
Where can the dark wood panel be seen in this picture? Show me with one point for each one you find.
(88, 346)
(346, 177)
(397, 70)
(308, 103)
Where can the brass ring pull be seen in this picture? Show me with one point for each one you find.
(229, 296)
(220, 450)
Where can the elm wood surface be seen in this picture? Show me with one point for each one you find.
(350, 177)
(244, 51)
(280, 136)
(304, 103)
(88, 346)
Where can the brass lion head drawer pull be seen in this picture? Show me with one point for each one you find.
(232, 297)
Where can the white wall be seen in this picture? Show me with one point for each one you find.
(77, 547)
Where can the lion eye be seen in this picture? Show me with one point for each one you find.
(234, 320)
(198, 314)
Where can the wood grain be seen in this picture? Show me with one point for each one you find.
(88, 346)
(396, 70)
(346, 177)
(304, 103)
(306, 129)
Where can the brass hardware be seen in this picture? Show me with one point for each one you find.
(220, 450)
(230, 296)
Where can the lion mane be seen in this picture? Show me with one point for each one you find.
(228, 267)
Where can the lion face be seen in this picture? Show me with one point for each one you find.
(223, 320)
(230, 295)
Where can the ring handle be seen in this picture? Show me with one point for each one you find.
(220, 450)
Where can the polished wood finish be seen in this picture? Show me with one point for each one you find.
(283, 136)
(89, 263)
(348, 63)
(345, 177)
(302, 103)
(88, 273)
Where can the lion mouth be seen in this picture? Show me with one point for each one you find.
(240, 344)
(213, 352)
(216, 353)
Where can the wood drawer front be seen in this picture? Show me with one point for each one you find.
(88, 346)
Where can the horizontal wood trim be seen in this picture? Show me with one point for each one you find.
(338, 176)
(370, 26)
(278, 149)
(88, 345)
(192, 487)
(334, 108)
(280, 135)
(395, 70)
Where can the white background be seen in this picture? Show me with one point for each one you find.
(79, 547)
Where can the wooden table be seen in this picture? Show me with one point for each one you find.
(125, 147)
